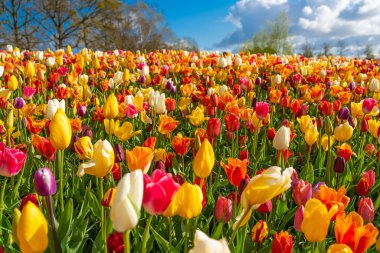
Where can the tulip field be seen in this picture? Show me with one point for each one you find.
(176, 151)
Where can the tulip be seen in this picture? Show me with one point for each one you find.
(82, 110)
(213, 127)
(366, 182)
(84, 148)
(115, 243)
(265, 186)
(30, 70)
(232, 122)
(204, 244)
(204, 160)
(125, 210)
(12, 83)
(53, 106)
(102, 160)
(18, 103)
(343, 132)
(181, 144)
(259, 232)
(44, 182)
(344, 113)
(302, 192)
(282, 138)
(316, 215)
(108, 197)
(374, 85)
(304, 122)
(366, 209)
(119, 153)
(266, 207)
(298, 218)
(262, 110)
(311, 135)
(11, 161)
(368, 105)
(339, 165)
(139, 158)
(32, 230)
(236, 170)
(223, 209)
(166, 124)
(339, 248)
(44, 147)
(197, 117)
(282, 242)
(159, 190)
(111, 107)
(60, 130)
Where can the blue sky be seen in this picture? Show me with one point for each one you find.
(226, 24)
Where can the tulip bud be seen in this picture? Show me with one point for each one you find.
(302, 192)
(328, 126)
(44, 182)
(339, 164)
(364, 127)
(12, 83)
(366, 209)
(368, 105)
(86, 131)
(10, 120)
(298, 218)
(320, 121)
(223, 209)
(111, 108)
(266, 207)
(282, 139)
(259, 232)
(84, 148)
(119, 153)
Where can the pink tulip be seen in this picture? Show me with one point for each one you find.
(302, 192)
(366, 209)
(159, 190)
(266, 207)
(262, 110)
(368, 104)
(28, 92)
(132, 112)
(298, 218)
(223, 209)
(11, 160)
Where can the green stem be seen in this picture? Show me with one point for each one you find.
(104, 234)
(146, 234)
(187, 235)
(60, 158)
(246, 212)
(2, 201)
(53, 229)
(170, 230)
(127, 247)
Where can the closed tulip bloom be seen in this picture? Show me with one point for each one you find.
(316, 215)
(262, 110)
(60, 130)
(325, 141)
(204, 244)
(12, 83)
(304, 122)
(84, 148)
(108, 197)
(339, 248)
(30, 70)
(236, 170)
(139, 158)
(266, 207)
(44, 182)
(298, 218)
(302, 192)
(204, 160)
(282, 138)
(282, 242)
(366, 209)
(265, 186)
(52, 107)
(32, 230)
(213, 127)
(119, 153)
(259, 232)
(368, 105)
(102, 160)
(159, 190)
(311, 135)
(374, 85)
(232, 122)
(11, 161)
(126, 206)
(111, 107)
(339, 164)
(343, 132)
(223, 209)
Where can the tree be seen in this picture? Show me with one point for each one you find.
(307, 49)
(368, 51)
(326, 49)
(341, 44)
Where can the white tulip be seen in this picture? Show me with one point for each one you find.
(277, 79)
(322, 73)
(17, 53)
(118, 78)
(140, 59)
(52, 107)
(238, 61)
(222, 62)
(1, 71)
(98, 54)
(204, 244)
(374, 85)
(9, 48)
(50, 62)
(210, 91)
(116, 52)
(145, 70)
(222, 89)
(159, 106)
(126, 205)
(128, 100)
(282, 138)
(39, 55)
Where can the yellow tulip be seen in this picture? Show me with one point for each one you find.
(60, 130)
(311, 135)
(68, 49)
(315, 216)
(125, 132)
(111, 107)
(197, 117)
(373, 126)
(339, 248)
(15, 223)
(84, 148)
(265, 186)
(204, 160)
(12, 83)
(139, 158)
(30, 70)
(187, 202)
(102, 160)
(110, 125)
(325, 141)
(32, 231)
(343, 132)
(160, 154)
(304, 122)
(5, 93)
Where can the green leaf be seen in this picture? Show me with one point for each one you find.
(65, 223)
(163, 243)
(218, 231)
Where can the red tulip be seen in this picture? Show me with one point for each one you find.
(366, 209)
(213, 127)
(115, 243)
(368, 104)
(223, 209)
(232, 122)
(302, 192)
(266, 207)
(262, 110)
(366, 182)
(271, 133)
(30, 197)
(282, 242)
(11, 161)
(159, 190)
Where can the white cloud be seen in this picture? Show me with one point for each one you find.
(307, 10)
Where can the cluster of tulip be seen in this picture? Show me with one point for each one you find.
(175, 151)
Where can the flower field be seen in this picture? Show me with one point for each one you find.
(176, 151)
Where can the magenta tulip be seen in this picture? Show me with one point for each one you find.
(368, 104)
(11, 161)
(223, 209)
(302, 192)
(366, 209)
(44, 182)
(159, 190)
(298, 218)
(262, 110)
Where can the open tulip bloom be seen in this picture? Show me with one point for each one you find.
(183, 151)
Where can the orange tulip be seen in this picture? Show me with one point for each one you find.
(167, 124)
(236, 170)
(329, 197)
(181, 144)
(139, 158)
(34, 125)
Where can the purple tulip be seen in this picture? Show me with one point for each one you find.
(344, 113)
(159, 165)
(328, 84)
(82, 110)
(258, 80)
(142, 79)
(339, 164)
(169, 85)
(351, 121)
(44, 182)
(18, 103)
(119, 153)
(351, 86)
